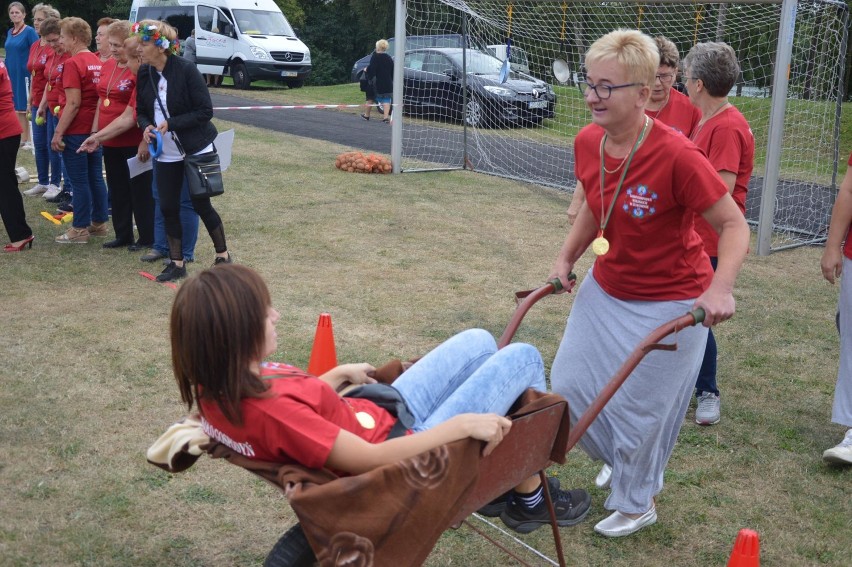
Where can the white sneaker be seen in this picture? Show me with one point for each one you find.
(52, 192)
(36, 191)
(604, 477)
(27, 146)
(840, 454)
(709, 410)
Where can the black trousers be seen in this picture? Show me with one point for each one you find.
(11, 202)
(130, 196)
(169, 182)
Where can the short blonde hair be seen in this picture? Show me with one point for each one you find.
(635, 51)
(382, 45)
(119, 29)
(17, 5)
(77, 28)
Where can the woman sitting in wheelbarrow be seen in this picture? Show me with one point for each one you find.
(223, 326)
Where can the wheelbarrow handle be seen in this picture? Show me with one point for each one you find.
(651, 342)
(527, 299)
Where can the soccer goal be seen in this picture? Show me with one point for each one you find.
(514, 129)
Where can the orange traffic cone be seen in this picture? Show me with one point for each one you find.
(746, 550)
(323, 355)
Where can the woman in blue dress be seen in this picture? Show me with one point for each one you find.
(18, 41)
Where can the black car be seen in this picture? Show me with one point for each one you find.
(414, 42)
(433, 87)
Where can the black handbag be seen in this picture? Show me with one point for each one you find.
(203, 172)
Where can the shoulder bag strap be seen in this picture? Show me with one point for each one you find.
(151, 72)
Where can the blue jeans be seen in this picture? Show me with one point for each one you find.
(188, 221)
(86, 173)
(47, 161)
(467, 374)
(56, 173)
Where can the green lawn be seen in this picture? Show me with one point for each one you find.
(401, 262)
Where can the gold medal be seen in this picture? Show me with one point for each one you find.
(49, 87)
(106, 102)
(366, 420)
(600, 246)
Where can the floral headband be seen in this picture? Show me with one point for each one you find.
(151, 33)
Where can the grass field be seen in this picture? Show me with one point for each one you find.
(400, 262)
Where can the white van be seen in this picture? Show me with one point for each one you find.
(520, 61)
(246, 39)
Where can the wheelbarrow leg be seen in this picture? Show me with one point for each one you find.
(555, 526)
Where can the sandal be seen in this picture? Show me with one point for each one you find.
(364, 116)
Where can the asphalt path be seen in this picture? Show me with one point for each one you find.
(807, 206)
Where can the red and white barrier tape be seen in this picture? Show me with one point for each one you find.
(288, 107)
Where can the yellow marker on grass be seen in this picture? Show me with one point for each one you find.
(49, 217)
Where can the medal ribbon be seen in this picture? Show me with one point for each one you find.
(605, 221)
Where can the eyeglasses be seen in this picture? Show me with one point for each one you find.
(605, 90)
(665, 78)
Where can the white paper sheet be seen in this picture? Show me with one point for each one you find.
(224, 145)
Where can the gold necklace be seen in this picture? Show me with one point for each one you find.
(665, 103)
(703, 122)
(109, 83)
(600, 245)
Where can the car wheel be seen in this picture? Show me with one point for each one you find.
(474, 113)
(240, 76)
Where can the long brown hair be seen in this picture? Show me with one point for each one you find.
(218, 330)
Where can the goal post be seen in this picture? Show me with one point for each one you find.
(514, 134)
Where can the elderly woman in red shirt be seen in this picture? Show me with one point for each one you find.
(11, 202)
(80, 79)
(645, 182)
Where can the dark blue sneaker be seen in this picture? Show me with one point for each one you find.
(496, 506)
(571, 507)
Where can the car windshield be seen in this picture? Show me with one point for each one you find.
(478, 63)
(263, 22)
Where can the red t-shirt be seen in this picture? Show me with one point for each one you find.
(655, 253)
(9, 125)
(728, 142)
(83, 72)
(679, 113)
(298, 423)
(39, 55)
(53, 72)
(118, 86)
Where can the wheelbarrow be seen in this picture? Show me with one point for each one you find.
(394, 515)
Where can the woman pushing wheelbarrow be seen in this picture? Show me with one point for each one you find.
(645, 182)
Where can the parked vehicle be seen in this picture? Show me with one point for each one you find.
(519, 60)
(246, 39)
(417, 42)
(433, 87)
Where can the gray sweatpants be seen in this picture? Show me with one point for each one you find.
(636, 431)
(841, 411)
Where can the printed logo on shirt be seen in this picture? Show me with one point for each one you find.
(124, 85)
(639, 202)
(244, 449)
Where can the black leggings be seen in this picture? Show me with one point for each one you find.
(129, 196)
(169, 177)
(11, 202)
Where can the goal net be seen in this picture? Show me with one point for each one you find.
(510, 129)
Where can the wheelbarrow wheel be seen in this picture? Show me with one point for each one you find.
(292, 550)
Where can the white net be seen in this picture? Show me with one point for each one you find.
(454, 121)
